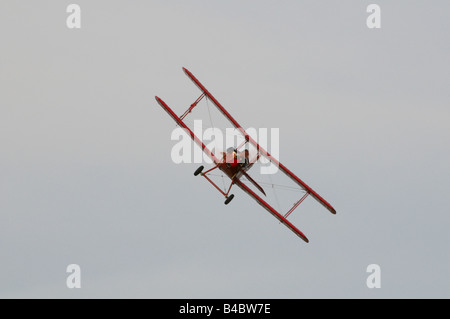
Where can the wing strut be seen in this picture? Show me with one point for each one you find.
(189, 110)
(271, 210)
(296, 205)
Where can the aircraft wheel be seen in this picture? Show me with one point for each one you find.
(199, 170)
(229, 199)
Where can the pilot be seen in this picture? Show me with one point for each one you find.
(242, 158)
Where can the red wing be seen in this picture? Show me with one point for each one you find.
(191, 134)
(262, 151)
(271, 210)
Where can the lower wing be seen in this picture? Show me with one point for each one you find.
(271, 210)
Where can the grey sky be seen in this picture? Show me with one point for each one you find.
(86, 174)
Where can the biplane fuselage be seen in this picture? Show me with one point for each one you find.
(232, 165)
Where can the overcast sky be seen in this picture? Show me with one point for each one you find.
(85, 170)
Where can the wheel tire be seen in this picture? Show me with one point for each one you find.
(229, 199)
(199, 170)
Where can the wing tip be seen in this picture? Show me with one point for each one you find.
(298, 232)
(306, 240)
(160, 102)
(302, 236)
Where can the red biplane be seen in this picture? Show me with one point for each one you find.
(235, 164)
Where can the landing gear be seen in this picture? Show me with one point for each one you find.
(229, 199)
(199, 170)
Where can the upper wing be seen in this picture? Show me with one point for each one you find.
(271, 210)
(262, 151)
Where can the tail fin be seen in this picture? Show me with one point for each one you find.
(255, 183)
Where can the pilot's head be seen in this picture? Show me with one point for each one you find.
(230, 150)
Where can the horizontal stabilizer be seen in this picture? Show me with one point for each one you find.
(255, 183)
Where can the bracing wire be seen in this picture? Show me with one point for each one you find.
(215, 141)
(275, 193)
(279, 186)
